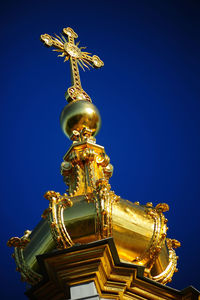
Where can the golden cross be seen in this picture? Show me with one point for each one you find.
(71, 52)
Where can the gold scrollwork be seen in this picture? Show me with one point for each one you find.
(166, 275)
(151, 253)
(19, 242)
(85, 164)
(27, 274)
(55, 214)
(104, 204)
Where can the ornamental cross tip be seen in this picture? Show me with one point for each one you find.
(70, 51)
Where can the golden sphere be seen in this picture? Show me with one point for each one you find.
(78, 115)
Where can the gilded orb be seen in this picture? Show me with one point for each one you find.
(78, 115)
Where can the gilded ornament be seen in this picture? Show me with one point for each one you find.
(79, 115)
(70, 51)
(19, 242)
(90, 210)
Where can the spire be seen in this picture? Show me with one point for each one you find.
(86, 168)
(80, 113)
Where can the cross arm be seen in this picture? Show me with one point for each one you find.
(49, 41)
(93, 61)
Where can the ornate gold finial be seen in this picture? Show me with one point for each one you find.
(71, 52)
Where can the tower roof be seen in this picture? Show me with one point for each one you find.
(90, 211)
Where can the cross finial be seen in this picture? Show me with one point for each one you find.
(70, 51)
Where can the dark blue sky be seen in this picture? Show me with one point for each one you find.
(148, 96)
